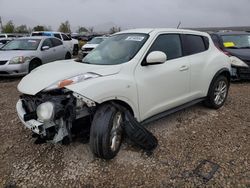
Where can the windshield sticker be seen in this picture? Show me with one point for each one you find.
(135, 38)
(33, 41)
(228, 44)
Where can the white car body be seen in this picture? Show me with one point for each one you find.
(145, 90)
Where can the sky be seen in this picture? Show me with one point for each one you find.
(103, 14)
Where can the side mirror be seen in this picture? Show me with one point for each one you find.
(45, 48)
(156, 57)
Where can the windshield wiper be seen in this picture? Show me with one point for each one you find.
(86, 62)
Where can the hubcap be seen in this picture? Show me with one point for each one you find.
(116, 132)
(220, 92)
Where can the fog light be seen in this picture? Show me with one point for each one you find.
(45, 111)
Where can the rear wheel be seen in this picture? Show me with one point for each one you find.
(106, 132)
(34, 64)
(218, 92)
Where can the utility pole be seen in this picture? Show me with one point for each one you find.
(1, 24)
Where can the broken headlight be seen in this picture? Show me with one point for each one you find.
(45, 111)
(72, 80)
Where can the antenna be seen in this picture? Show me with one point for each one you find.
(179, 25)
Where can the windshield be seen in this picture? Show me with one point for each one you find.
(22, 44)
(96, 41)
(117, 49)
(236, 41)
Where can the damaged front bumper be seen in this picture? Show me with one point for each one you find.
(68, 107)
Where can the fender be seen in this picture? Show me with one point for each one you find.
(225, 71)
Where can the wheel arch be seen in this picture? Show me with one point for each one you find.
(225, 72)
(36, 59)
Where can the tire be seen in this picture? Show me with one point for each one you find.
(138, 134)
(34, 64)
(75, 50)
(106, 132)
(68, 55)
(217, 93)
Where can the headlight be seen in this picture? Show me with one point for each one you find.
(73, 80)
(237, 62)
(45, 111)
(19, 60)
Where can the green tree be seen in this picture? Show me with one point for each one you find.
(39, 28)
(9, 27)
(114, 30)
(21, 29)
(65, 27)
(82, 30)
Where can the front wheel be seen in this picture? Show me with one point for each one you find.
(218, 92)
(106, 132)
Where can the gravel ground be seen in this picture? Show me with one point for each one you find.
(185, 139)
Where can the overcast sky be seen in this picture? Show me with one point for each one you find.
(127, 13)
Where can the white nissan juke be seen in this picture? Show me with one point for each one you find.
(146, 72)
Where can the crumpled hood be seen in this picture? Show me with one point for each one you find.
(51, 73)
(6, 55)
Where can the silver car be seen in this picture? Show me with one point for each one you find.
(22, 55)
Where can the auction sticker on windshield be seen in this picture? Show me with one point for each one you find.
(135, 38)
(228, 44)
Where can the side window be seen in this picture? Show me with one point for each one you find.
(65, 37)
(57, 36)
(47, 42)
(170, 44)
(56, 42)
(194, 44)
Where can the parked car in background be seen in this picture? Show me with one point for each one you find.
(4, 41)
(72, 44)
(92, 44)
(235, 44)
(7, 35)
(22, 55)
(147, 73)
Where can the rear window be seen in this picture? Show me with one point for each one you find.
(195, 44)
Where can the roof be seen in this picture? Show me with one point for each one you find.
(35, 37)
(158, 30)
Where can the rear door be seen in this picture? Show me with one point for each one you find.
(59, 49)
(163, 86)
(196, 49)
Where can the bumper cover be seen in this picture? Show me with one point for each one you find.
(34, 125)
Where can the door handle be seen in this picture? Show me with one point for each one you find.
(184, 68)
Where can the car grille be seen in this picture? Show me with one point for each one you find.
(3, 62)
(244, 73)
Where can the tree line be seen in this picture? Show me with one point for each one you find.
(64, 27)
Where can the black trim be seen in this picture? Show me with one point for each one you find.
(171, 111)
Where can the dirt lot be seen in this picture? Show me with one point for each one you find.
(185, 139)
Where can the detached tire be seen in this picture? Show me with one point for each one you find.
(34, 64)
(106, 132)
(217, 93)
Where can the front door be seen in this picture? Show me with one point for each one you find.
(163, 86)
